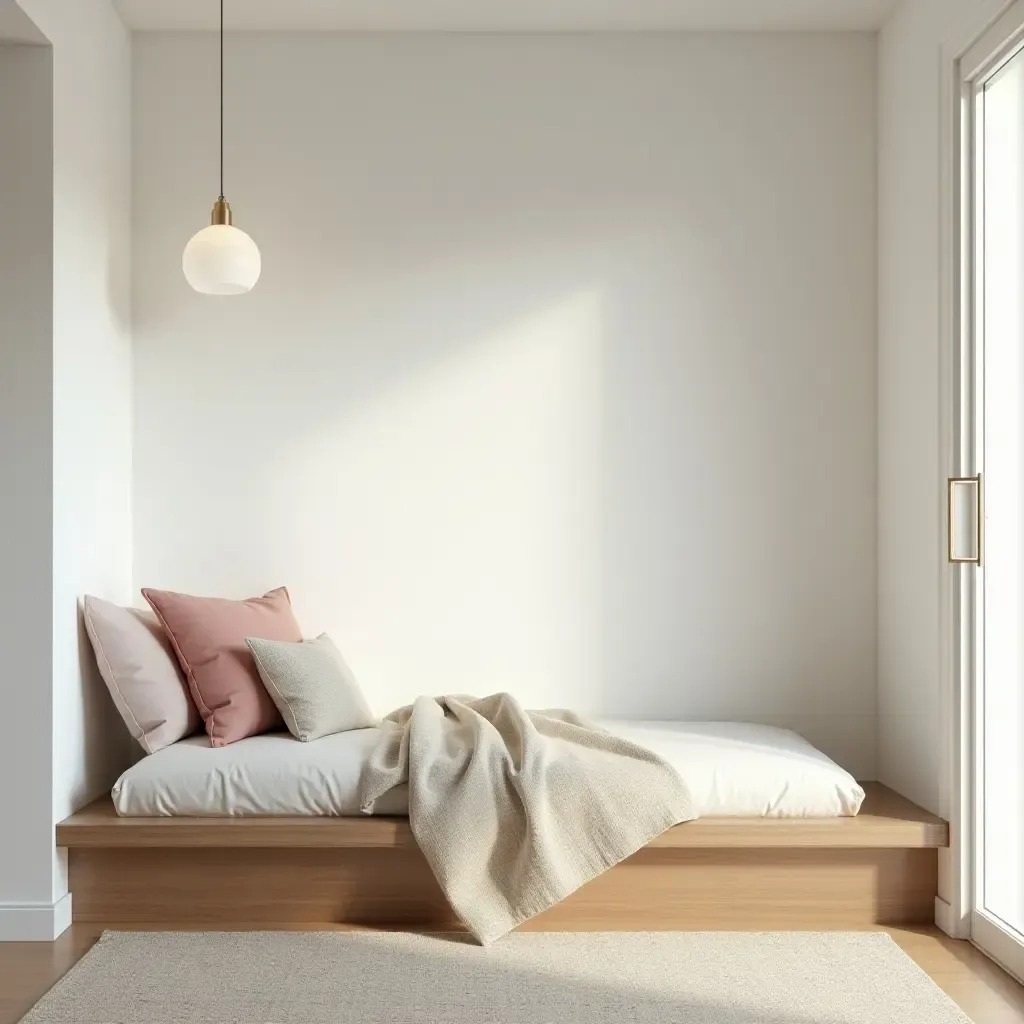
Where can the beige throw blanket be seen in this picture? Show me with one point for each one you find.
(516, 809)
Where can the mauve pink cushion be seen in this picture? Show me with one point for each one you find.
(208, 634)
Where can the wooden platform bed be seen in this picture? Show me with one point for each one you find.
(745, 873)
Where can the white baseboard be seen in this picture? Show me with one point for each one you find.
(34, 922)
(946, 921)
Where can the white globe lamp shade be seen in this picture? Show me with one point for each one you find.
(221, 260)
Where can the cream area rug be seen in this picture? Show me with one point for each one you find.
(527, 978)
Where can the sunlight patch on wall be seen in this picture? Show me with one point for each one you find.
(458, 518)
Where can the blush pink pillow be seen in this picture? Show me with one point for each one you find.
(208, 634)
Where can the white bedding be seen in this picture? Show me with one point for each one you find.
(733, 770)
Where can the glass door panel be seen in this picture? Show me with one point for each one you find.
(1000, 709)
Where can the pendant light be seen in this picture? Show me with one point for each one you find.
(221, 259)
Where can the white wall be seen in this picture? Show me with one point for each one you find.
(909, 538)
(17, 27)
(911, 464)
(561, 373)
(88, 403)
(92, 434)
(26, 454)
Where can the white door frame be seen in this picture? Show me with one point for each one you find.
(962, 56)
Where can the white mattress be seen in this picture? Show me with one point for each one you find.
(733, 770)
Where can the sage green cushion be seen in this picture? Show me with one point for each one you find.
(313, 688)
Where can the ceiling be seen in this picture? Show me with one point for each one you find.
(507, 15)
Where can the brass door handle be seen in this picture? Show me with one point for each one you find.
(979, 519)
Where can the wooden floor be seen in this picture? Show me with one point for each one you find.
(984, 992)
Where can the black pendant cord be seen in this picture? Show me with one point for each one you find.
(222, 100)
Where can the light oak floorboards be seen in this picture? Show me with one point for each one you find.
(987, 994)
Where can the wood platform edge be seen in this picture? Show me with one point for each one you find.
(887, 820)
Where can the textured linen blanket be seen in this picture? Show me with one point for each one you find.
(516, 809)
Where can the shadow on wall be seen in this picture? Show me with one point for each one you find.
(96, 737)
(518, 401)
